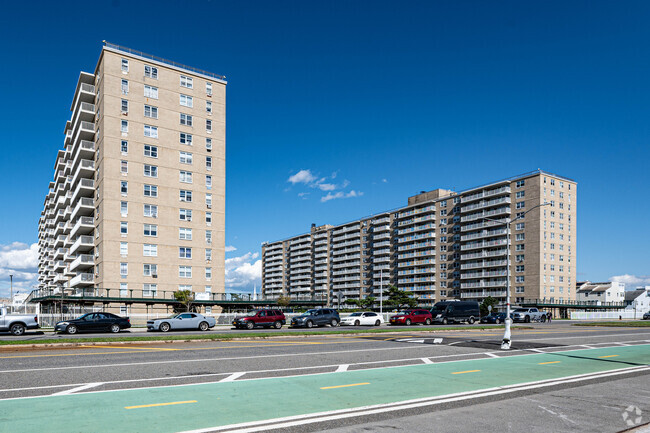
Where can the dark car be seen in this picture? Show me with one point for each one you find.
(646, 316)
(262, 318)
(455, 312)
(316, 317)
(408, 317)
(494, 318)
(94, 322)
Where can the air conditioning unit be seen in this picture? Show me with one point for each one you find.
(209, 206)
(154, 275)
(188, 219)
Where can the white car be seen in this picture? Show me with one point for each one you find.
(364, 318)
(182, 321)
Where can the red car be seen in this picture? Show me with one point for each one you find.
(263, 318)
(408, 317)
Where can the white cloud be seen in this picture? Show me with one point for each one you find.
(303, 195)
(632, 281)
(303, 176)
(384, 180)
(326, 186)
(341, 194)
(244, 271)
(230, 248)
(21, 261)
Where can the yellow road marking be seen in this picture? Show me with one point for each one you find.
(468, 371)
(345, 386)
(159, 404)
(129, 348)
(608, 356)
(549, 362)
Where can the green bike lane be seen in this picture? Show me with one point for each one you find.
(188, 407)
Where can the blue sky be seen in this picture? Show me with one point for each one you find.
(377, 100)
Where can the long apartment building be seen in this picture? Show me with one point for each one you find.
(136, 208)
(443, 245)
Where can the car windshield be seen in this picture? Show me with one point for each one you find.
(439, 307)
(405, 312)
(355, 314)
(173, 316)
(520, 310)
(310, 312)
(83, 317)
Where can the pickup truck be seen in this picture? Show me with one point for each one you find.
(529, 315)
(17, 323)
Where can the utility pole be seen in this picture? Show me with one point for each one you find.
(11, 284)
(381, 293)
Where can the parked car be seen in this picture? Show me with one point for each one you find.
(455, 312)
(529, 314)
(17, 323)
(263, 318)
(408, 317)
(364, 318)
(316, 317)
(646, 316)
(182, 321)
(95, 322)
(494, 318)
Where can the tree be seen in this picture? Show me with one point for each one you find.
(186, 299)
(284, 301)
(368, 302)
(487, 302)
(398, 298)
(353, 302)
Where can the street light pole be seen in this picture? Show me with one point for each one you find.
(11, 284)
(381, 293)
(505, 343)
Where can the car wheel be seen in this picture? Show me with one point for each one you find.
(527, 319)
(277, 324)
(334, 323)
(164, 327)
(378, 322)
(17, 329)
(428, 321)
(357, 323)
(497, 321)
(408, 322)
(309, 324)
(470, 320)
(115, 328)
(71, 329)
(445, 321)
(250, 325)
(543, 319)
(203, 326)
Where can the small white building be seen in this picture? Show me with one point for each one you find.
(599, 293)
(638, 299)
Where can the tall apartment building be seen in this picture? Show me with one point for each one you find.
(442, 245)
(136, 208)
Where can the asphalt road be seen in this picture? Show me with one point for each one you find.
(30, 377)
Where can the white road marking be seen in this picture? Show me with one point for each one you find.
(233, 376)
(541, 351)
(79, 388)
(342, 368)
(437, 341)
(427, 361)
(492, 355)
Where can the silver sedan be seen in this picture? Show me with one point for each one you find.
(182, 321)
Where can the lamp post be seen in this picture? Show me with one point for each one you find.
(505, 343)
(11, 285)
(381, 293)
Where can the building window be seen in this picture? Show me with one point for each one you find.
(124, 292)
(521, 204)
(185, 234)
(150, 92)
(208, 200)
(208, 182)
(185, 195)
(150, 151)
(521, 194)
(149, 290)
(521, 183)
(151, 72)
(208, 144)
(520, 226)
(208, 163)
(151, 190)
(187, 82)
(208, 236)
(519, 268)
(185, 215)
(125, 65)
(124, 147)
(208, 125)
(124, 208)
(185, 177)
(151, 111)
(519, 279)
(124, 249)
(150, 170)
(519, 247)
(125, 87)
(185, 272)
(124, 269)
(125, 106)
(185, 158)
(151, 230)
(208, 89)
(124, 187)
(150, 131)
(150, 250)
(186, 119)
(124, 126)
(186, 139)
(186, 101)
(208, 218)
(151, 210)
(185, 253)
(208, 107)
(208, 273)
(186, 287)
(124, 227)
(208, 254)
(149, 269)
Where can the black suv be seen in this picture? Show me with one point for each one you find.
(316, 317)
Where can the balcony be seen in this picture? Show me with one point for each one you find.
(505, 210)
(381, 252)
(379, 236)
(481, 284)
(84, 150)
(419, 228)
(483, 224)
(83, 261)
(382, 220)
(416, 280)
(410, 212)
(484, 264)
(381, 244)
(355, 242)
(355, 236)
(417, 271)
(352, 264)
(484, 244)
(83, 226)
(423, 253)
(338, 252)
(484, 234)
(346, 229)
(84, 207)
(485, 194)
(82, 244)
(416, 263)
(273, 247)
(485, 203)
(59, 253)
(85, 168)
(484, 274)
(482, 254)
(484, 294)
(416, 237)
(82, 280)
(416, 245)
(346, 257)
